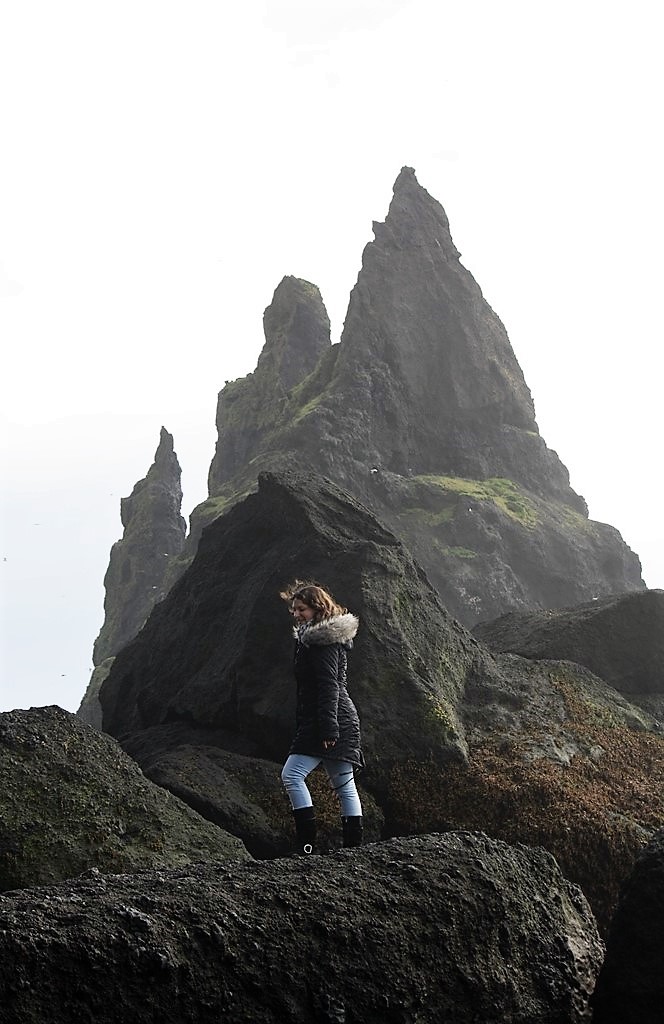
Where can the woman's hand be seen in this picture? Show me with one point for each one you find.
(328, 743)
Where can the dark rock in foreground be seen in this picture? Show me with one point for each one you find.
(630, 987)
(71, 800)
(620, 639)
(457, 928)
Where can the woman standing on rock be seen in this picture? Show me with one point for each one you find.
(328, 727)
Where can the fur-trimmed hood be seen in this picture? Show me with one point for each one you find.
(339, 629)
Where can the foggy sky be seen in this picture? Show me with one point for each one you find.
(165, 165)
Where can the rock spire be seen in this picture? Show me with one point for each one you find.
(136, 578)
(422, 412)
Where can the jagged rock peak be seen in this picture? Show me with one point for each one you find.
(165, 470)
(297, 336)
(415, 218)
(154, 533)
(423, 413)
(297, 331)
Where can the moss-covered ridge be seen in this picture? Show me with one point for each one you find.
(506, 495)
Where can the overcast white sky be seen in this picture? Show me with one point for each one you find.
(164, 164)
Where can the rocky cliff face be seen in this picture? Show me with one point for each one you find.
(138, 572)
(455, 737)
(423, 413)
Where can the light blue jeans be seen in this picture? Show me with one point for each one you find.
(340, 774)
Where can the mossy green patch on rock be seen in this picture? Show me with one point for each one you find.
(505, 494)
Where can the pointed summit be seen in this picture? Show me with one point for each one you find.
(297, 332)
(423, 413)
(297, 336)
(415, 218)
(154, 533)
(137, 575)
(418, 315)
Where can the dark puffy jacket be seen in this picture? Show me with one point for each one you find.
(324, 709)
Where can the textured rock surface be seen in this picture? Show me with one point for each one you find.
(297, 335)
(453, 927)
(244, 795)
(455, 737)
(142, 565)
(154, 533)
(217, 652)
(422, 412)
(630, 988)
(90, 709)
(619, 638)
(71, 799)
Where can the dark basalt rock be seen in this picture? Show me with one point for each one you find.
(456, 927)
(217, 652)
(630, 987)
(71, 800)
(423, 414)
(619, 638)
(244, 795)
(297, 334)
(455, 737)
(154, 532)
(138, 573)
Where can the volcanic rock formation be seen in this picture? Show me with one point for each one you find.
(136, 578)
(630, 988)
(297, 335)
(456, 928)
(619, 638)
(421, 412)
(71, 800)
(455, 737)
(216, 653)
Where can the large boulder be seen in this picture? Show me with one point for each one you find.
(72, 800)
(630, 987)
(556, 757)
(455, 927)
(620, 638)
(217, 652)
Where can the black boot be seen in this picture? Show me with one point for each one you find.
(305, 829)
(352, 831)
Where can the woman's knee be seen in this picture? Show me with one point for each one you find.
(289, 777)
(296, 769)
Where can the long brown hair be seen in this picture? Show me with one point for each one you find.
(314, 596)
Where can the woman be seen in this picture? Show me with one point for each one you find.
(328, 727)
